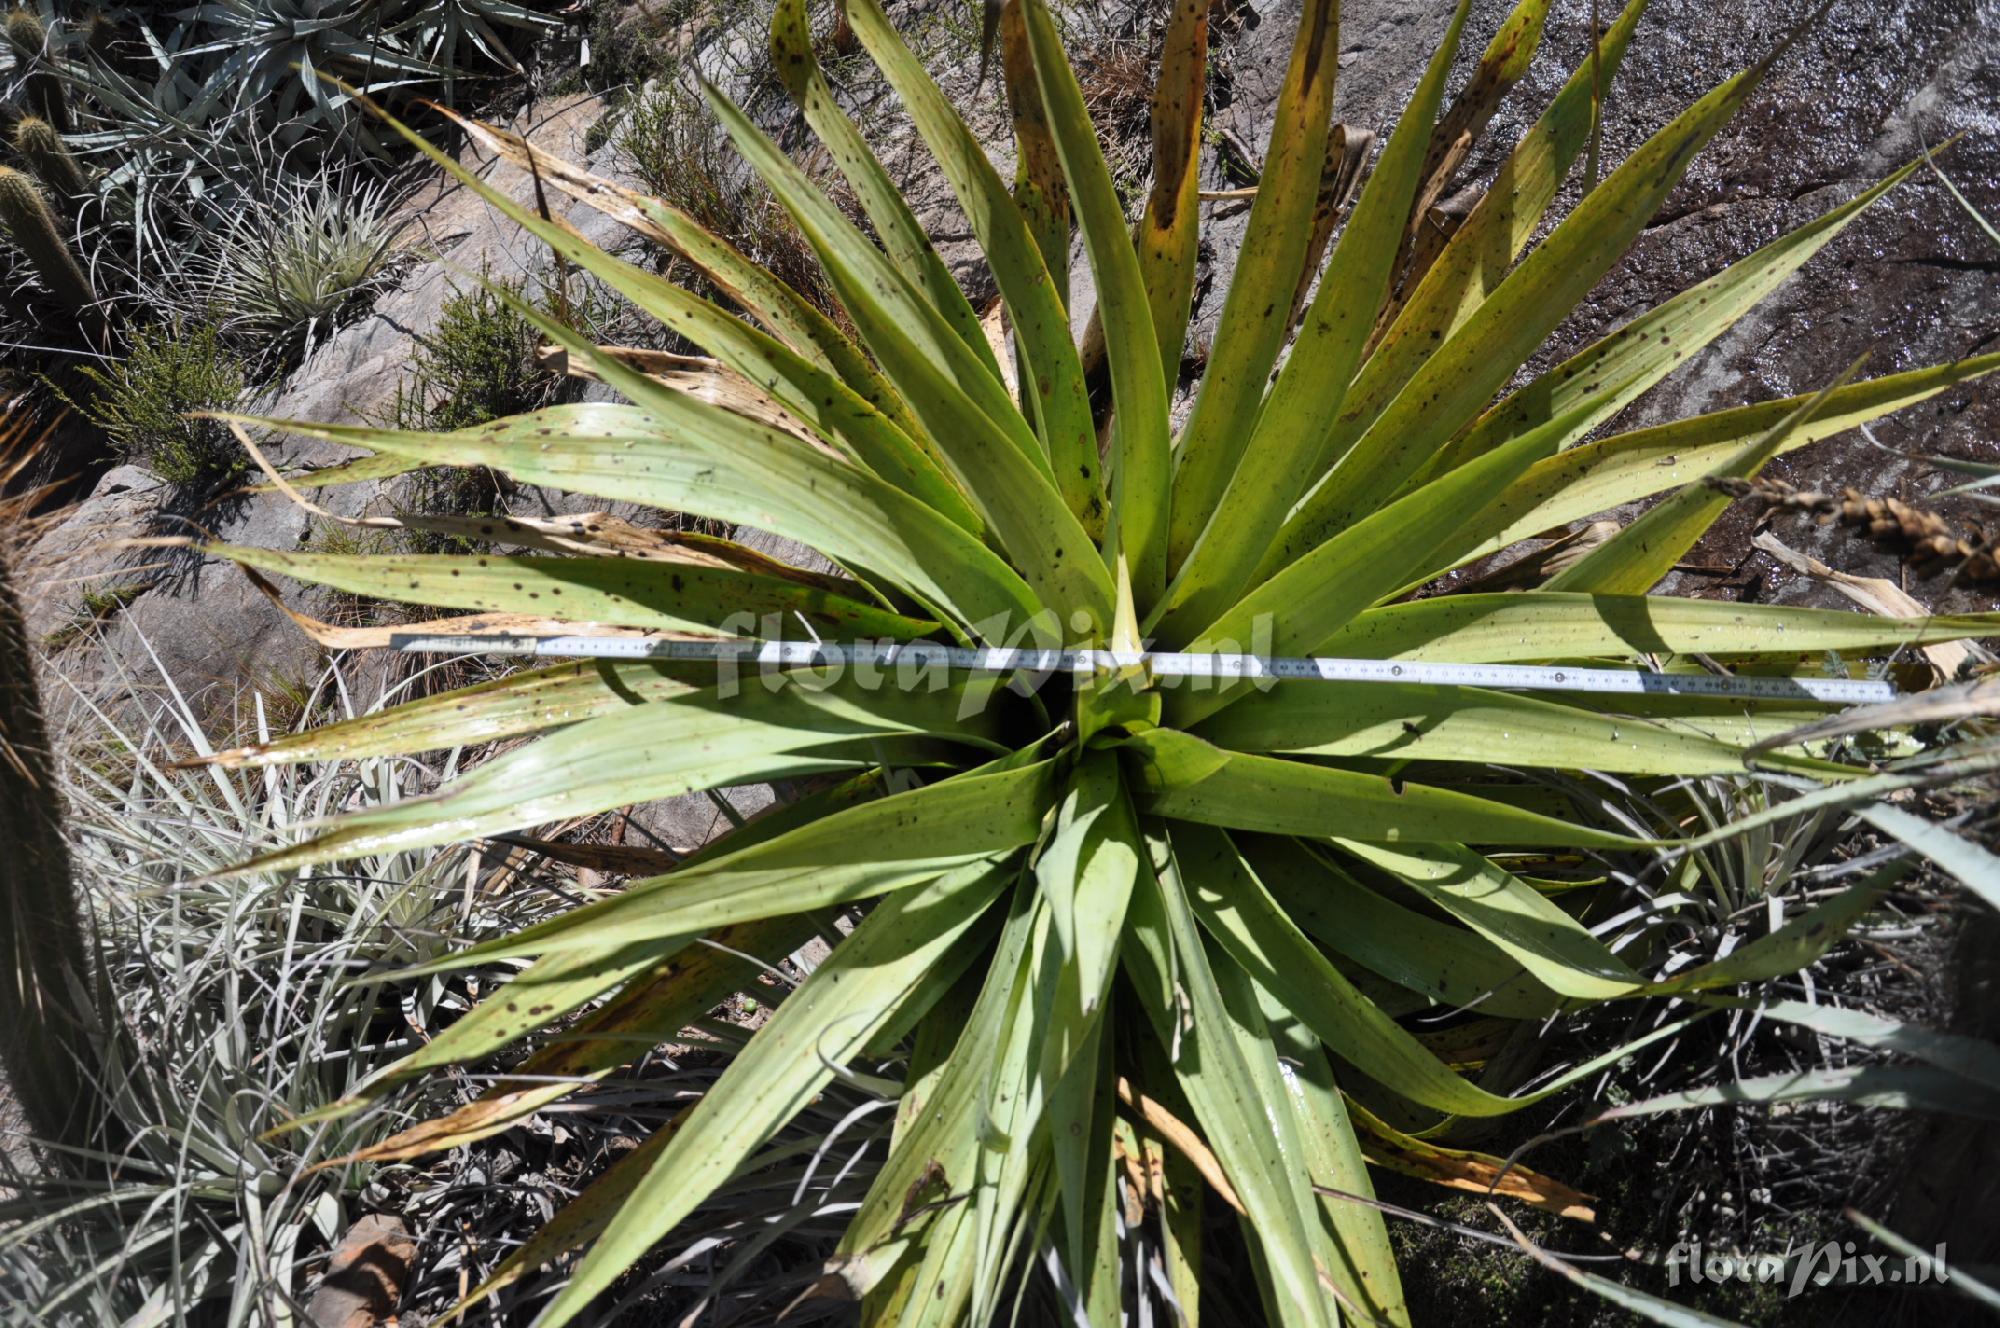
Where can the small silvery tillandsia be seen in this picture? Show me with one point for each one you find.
(1109, 919)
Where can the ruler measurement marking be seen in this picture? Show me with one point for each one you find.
(1165, 663)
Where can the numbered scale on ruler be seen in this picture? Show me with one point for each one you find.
(1161, 664)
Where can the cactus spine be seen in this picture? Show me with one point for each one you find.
(30, 222)
(30, 40)
(26, 34)
(43, 149)
(100, 34)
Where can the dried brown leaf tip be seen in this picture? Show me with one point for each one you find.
(1927, 540)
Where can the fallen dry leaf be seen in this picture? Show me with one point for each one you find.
(1874, 594)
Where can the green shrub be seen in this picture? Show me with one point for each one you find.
(478, 364)
(634, 42)
(144, 403)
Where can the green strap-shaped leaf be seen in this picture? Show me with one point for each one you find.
(1482, 251)
(1962, 1282)
(1038, 175)
(1454, 384)
(1086, 873)
(682, 455)
(1598, 476)
(1502, 64)
(843, 249)
(650, 1014)
(361, 470)
(654, 1007)
(502, 708)
(1737, 723)
(991, 811)
(1633, 561)
(1447, 965)
(673, 404)
(982, 437)
(930, 1053)
(1975, 866)
(791, 318)
(1097, 1270)
(803, 387)
(1187, 779)
(1235, 908)
(1350, 1247)
(1277, 465)
(918, 1198)
(1297, 610)
(1424, 722)
(1013, 1143)
(674, 597)
(1169, 234)
(1141, 480)
(680, 983)
(1615, 370)
(1545, 625)
(1019, 503)
(1169, 967)
(1513, 915)
(901, 233)
(536, 997)
(1271, 1083)
(680, 745)
(1256, 314)
(908, 950)
(1052, 376)
(1973, 1059)
(1976, 762)
(1360, 1260)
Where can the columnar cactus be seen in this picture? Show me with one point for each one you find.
(26, 34)
(42, 148)
(44, 1007)
(29, 37)
(31, 224)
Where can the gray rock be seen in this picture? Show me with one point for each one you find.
(365, 1275)
(691, 820)
(210, 630)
